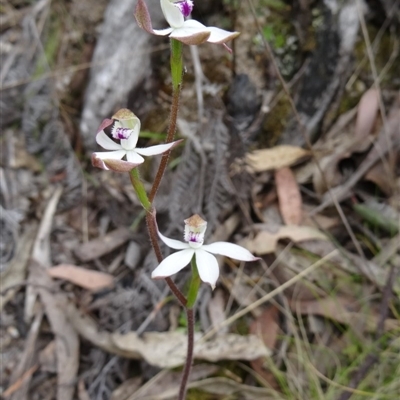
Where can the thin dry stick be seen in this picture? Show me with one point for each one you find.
(306, 138)
(270, 295)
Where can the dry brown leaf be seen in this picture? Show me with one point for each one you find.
(16, 271)
(164, 349)
(168, 349)
(331, 175)
(67, 341)
(343, 310)
(82, 392)
(66, 338)
(289, 196)
(85, 278)
(266, 326)
(229, 388)
(275, 158)
(366, 114)
(103, 245)
(266, 242)
(20, 377)
(125, 390)
(379, 175)
(216, 309)
(166, 383)
(41, 249)
(48, 358)
(243, 294)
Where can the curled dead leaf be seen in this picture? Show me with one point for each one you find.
(168, 349)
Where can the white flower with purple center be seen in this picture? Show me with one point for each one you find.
(189, 31)
(206, 262)
(126, 129)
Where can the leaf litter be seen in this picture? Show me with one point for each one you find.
(75, 310)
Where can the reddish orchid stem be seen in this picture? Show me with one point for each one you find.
(189, 355)
(170, 138)
(152, 230)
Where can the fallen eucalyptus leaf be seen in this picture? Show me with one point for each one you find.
(289, 196)
(168, 349)
(275, 158)
(266, 242)
(85, 278)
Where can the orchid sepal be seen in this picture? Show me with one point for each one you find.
(112, 164)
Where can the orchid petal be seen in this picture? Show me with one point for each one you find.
(162, 32)
(158, 149)
(220, 35)
(110, 155)
(107, 143)
(193, 39)
(172, 243)
(230, 250)
(133, 157)
(194, 24)
(208, 268)
(173, 264)
(172, 14)
(189, 28)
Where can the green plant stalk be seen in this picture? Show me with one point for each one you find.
(176, 73)
(191, 300)
(140, 190)
(176, 64)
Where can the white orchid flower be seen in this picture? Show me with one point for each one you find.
(189, 31)
(125, 129)
(207, 264)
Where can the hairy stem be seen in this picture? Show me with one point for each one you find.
(191, 300)
(189, 355)
(176, 73)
